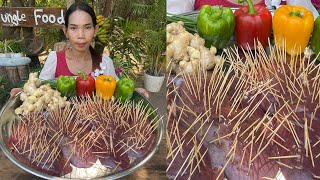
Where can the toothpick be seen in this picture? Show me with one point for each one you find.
(267, 178)
(177, 152)
(200, 128)
(316, 143)
(284, 157)
(186, 160)
(224, 167)
(222, 137)
(198, 163)
(306, 134)
(280, 145)
(311, 155)
(250, 155)
(285, 165)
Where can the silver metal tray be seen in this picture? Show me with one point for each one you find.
(8, 118)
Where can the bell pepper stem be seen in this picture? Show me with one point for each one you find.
(297, 14)
(81, 73)
(220, 13)
(107, 79)
(250, 6)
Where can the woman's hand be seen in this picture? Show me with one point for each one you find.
(14, 91)
(143, 92)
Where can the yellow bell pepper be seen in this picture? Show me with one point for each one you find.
(105, 86)
(292, 27)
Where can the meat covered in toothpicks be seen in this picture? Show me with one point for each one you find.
(259, 115)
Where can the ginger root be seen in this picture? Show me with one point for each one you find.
(186, 52)
(39, 97)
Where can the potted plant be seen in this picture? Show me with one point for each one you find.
(16, 47)
(4, 49)
(155, 60)
(155, 46)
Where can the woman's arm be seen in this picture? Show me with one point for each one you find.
(49, 69)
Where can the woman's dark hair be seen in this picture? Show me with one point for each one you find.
(96, 57)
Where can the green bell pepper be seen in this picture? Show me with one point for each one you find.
(66, 86)
(216, 25)
(315, 39)
(124, 89)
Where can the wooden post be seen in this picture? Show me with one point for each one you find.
(23, 72)
(3, 71)
(13, 75)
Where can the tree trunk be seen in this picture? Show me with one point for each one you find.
(16, 3)
(107, 8)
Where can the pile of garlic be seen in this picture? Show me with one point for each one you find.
(39, 97)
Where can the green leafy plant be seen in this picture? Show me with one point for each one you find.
(125, 43)
(155, 38)
(154, 49)
(5, 88)
(16, 46)
(4, 46)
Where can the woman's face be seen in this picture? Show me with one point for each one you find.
(80, 30)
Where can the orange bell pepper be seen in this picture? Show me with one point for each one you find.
(105, 86)
(292, 27)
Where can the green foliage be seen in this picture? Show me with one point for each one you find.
(5, 88)
(140, 31)
(4, 46)
(16, 46)
(125, 41)
(155, 37)
(51, 36)
(155, 51)
(51, 3)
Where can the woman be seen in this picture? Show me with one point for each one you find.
(80, 28)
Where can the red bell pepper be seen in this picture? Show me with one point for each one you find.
(85, 84)
(253, 22)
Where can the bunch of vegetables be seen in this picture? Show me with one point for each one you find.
(36, 96)
(105, 86)
(292, 27)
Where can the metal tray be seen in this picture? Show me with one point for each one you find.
(7, 119)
